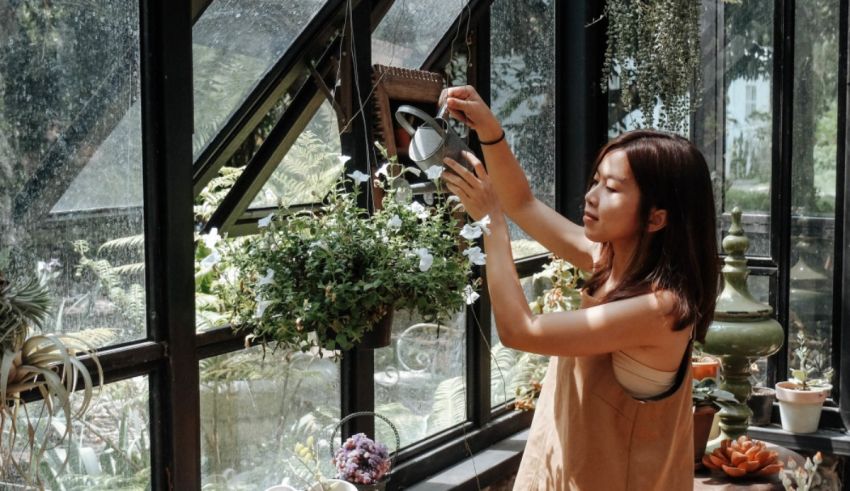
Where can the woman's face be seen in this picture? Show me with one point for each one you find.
(611, 204)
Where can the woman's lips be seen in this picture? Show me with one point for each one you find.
(589, 217)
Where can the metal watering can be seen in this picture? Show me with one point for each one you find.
(432, 141)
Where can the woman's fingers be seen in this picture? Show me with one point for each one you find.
(477, 165)
(461, 171)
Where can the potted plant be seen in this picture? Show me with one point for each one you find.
(802, 397)
(703, 365)
(363, 462)
(761, 404)
(45, 364)
(708, 399)
(325, 277)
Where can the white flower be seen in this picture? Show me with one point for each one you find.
(210, 261)
(419, 210)
(211, 239)
(262, 305)
(470, 232)
(358, 177)
(265, 222)
(470, 295)
(476, 256)
(343, 159)
(230, 275)
(434, 172)
(394, 222)
(483, 224)
(384, 170)
(425, 259)
(268, 279)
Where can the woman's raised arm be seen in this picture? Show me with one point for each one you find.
(545, 225)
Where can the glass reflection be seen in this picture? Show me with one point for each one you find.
(814, 157)
(410, 30)
(523, 95)
(70, 162)
(310, 167)
(256, 405)
(420, 379)
(234, 43)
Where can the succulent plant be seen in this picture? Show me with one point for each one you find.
(743, 457)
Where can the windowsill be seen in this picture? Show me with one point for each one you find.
(487, 467)
(501, 460)
(827, 441)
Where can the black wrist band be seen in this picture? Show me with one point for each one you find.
(493, 142)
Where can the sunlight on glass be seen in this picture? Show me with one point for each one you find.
(234, 43)
(309, 168)
(420, 379)
(523, 96)
(410, 30)
(259, 408)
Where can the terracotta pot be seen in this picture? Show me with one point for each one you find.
(800, 409)
(703, 417)
(705, 367)
(380, 335)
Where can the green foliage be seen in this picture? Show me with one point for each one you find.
(803, 374)
(324, 277)
(22, 307)
(707, 393)
(554, 289)
(653, 48)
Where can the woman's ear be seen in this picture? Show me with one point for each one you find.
(657, 220)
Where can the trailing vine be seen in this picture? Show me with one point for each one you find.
(653, 48)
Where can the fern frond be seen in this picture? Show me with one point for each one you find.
(133, 243)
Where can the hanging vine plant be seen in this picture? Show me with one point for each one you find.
(653, 48)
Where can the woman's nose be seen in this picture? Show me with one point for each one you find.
(590, 198)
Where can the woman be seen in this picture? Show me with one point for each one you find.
(615, 412)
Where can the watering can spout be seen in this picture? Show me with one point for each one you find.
(432, 141)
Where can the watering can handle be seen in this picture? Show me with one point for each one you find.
(419, 114)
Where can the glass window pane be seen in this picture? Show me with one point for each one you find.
(734, 121)
(110, 446)
(310, 167)
(511, 369)
(256, 406)
(420, 379)
(234, 44)
(813, 162)
(747, 77)
(522, 75)
(70, 162)
(410, 30)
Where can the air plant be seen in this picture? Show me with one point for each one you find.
(45, 366)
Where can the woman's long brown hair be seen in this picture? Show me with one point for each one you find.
(671, 175)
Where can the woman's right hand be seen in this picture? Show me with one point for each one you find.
(465, 105)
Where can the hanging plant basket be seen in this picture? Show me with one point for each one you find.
(380, 335)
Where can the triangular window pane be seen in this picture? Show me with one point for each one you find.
(234, 44)
(309, 169)
(410, 31)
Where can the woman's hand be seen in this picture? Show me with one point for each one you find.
(474, 190)
(465, 105)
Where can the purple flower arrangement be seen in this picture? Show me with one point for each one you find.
(360, 460)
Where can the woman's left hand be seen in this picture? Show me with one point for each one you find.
(474, 190)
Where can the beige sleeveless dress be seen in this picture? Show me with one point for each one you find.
(588, 434)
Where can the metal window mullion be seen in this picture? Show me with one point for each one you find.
(580, 105)
(166, 97)
(478, 317)
(780, 225)
(841, 308)
(358, 366)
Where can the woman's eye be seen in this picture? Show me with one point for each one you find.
(609, 188)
